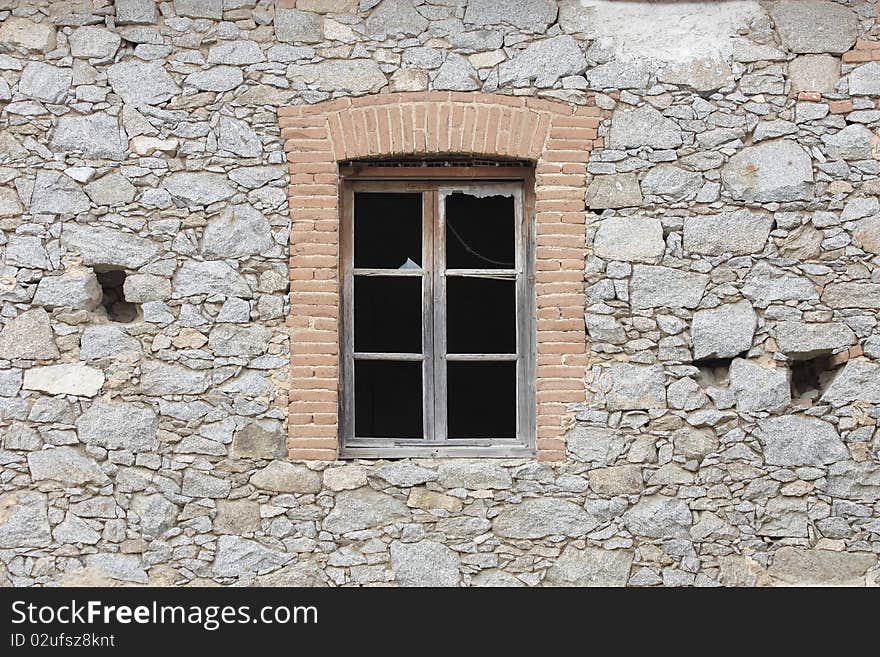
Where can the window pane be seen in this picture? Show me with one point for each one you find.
(387, 399)
(480, 316)
(388, 314)
(387, 230)
(481, 399)
(480, 232)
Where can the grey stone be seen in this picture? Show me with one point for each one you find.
(24, 520)
(237, 517)
(771, 171)
(803, 243)
(853, 481)
(345, 477)
(209, 277)
(93, 135)
(852, 295)
(672, 183)
(119, 425)
(158, 378)
(494, 578)
(141, 12)
(723, 332)
(653, 287)
(236, 53)
(254, 177)
(10, 205)
(641, 127)
(301, 573)
(236, 137)
(859, 380)
(295, 26)
(797, 566)
(617, 480)
(595, 444)
(702, 74)
(108, 247)
(540, 517)
(590, 567)
(199, 8)
(113, 189)
(659, 516)
(260, 439)
(10, 382)
(758, 388)
(29, 336)
(142, 83)
(142, 288)
(364, 508)
(866, 234)
(200, 484)
(198, 188)
(157, 514)
(739, 232)
(106, 340)
(357, 76)
(395, 17)
(815, 26)
(854, 142)
(240, 556)
(216, 78)
(768, 283)
(45, 82)
(694, 444)
(26, 34)
(65, 379)
(685, 394)
(90, 41)
(426, 563)
(631, 387)
(65, 465)
(405, 475)
(621, 74)
(232, 340)
(633, 238)
(532, 15)
(74, 530)
(544, 62)
(239, 232)
(619, 190)
(809, 339)
(27, 251)
(457, 74)
(473, 475)
(604, 328)
(76, 288)
(799, 440)
(865, 80)
(284, 477)
(819, 73)
(773, 130)
(55, 193)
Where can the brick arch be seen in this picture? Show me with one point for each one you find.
(556, 136)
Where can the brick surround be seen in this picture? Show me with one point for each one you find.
(556, 136)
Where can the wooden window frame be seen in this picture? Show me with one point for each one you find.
(434, 183)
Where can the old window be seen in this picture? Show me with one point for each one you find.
(437, 337)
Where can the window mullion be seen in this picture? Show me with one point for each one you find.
(428, 365)
(439, 309)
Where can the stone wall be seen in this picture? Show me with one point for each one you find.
(731, 260)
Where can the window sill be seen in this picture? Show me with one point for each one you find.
(446, 451)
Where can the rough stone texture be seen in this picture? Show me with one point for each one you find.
(723, 332)
(772, 171)
(798, 440)
(146, 137)
(629, 238)
(590, 567)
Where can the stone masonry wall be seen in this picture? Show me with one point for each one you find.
(732, 291)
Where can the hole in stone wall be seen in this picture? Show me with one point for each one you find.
(810, 377)
(714, 371)
(113, 297)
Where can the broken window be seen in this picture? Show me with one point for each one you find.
(437, 318)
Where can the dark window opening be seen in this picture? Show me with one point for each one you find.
(388, 314)
(480, 232)
(113, 297)
(388, 399)
(480, 316)
(810, 378)
(482, 400)
(388, 231)
(714, 371)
